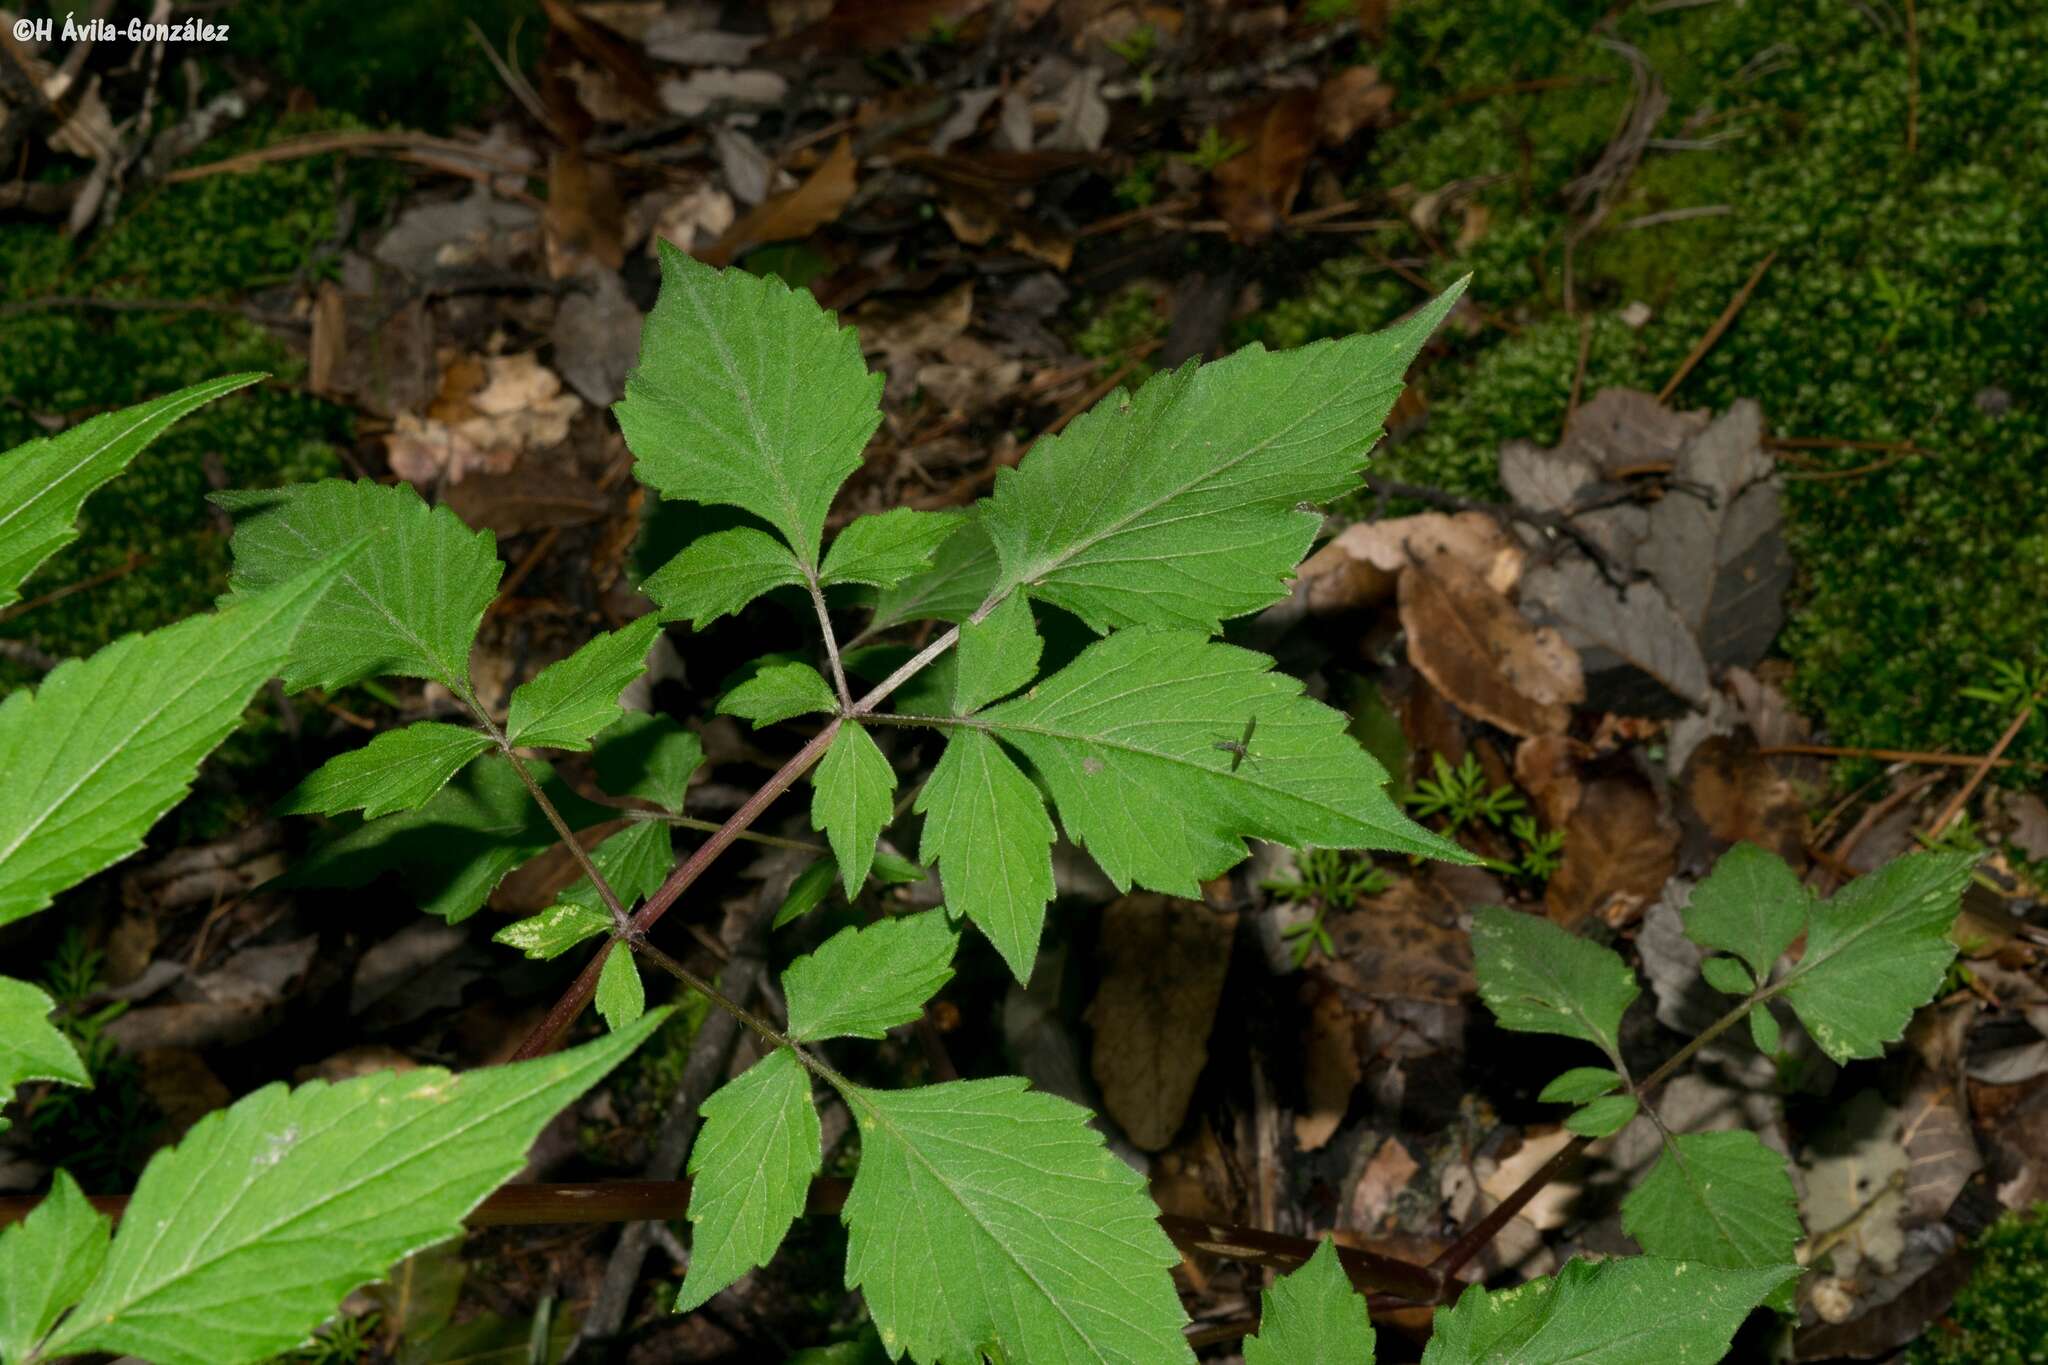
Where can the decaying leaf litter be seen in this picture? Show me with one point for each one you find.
(1577, 683)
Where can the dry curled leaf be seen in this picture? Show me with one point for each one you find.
(1740, 796)
(1359, 566)
(1163, 962)
(1619, 850)
(1330, 1068)
(1349, 100)
(1484, 655)
(816, 201)
(1255, 188)
(1547, 768)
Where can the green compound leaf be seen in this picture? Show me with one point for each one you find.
(720, 573)
(1876, 951)
(1751, 905)
(573, 699)
(46, 1262)
(1727, 975)
(621, 997)
(647, 756)
(1539, 978)
(633, 863)
(962, 575)
(108, 744)
(751, 1171)
(987, 1216)
(1603, 1117)
(851, 802)
(1723, 1199)
(986, 828)
(243, 1238)
(31, 1047)
(398, 770)
(1129, 738)
(1580, 1084)
(1181, 504)
(778, 692)
(882, 549)
(748, 394)
(996, 655)
(1623, 1312)
(409, 606)
(45, 482)
(452, 851)
(1312, 1314)
(860, 983)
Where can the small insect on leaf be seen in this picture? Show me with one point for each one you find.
(1239, 749)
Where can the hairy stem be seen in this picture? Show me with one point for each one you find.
(562, 830)
(1474, 1239)
(770, 1034)
(831, 640)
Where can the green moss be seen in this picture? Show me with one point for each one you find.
(2001, 1317)
(215, 238)
(414, 64)
(1903, 287)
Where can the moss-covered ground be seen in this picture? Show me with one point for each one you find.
(1908, 299)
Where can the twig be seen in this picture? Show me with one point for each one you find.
(2012, 732)
(1677, 216)
(1721, 324)
(57, 302)
(1895, 755)
(1571, 407)
(135, 560)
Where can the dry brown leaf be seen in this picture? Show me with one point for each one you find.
(586, 217)
(2028, 817)
(1385, 1176)
(1349, 101)
(1740, 795)
(1484, 655)
(1404, 945)
(816, 201)
(525, 499)
(1330, 1068)
(1163, 962)
(1358, 566)
(1547, 768)
(1551, 1208)
(330, 339)
(1619, 850)
(1255, 188)
(485, 417)
(178, 1082)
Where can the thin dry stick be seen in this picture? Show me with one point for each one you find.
(1571, 407)
(2012, 732)
(128, 566)
(1895, 755)
(1721, 324)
